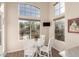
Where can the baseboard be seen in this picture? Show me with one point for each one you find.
(14, 51)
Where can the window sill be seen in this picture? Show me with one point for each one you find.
(29, 17)
(59, 17)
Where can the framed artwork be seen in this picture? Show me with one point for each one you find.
(59, 30)
(73, 25)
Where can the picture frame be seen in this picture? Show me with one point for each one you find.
(73, 25)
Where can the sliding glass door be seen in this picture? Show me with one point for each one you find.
(29, 28)
(24, 28)
(35, 29)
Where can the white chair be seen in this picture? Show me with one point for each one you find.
(44, 51)
(41, 40)
(29, 49)
(39, 43)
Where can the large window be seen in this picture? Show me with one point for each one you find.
(29, 10)
(59, 8)
(29, 28)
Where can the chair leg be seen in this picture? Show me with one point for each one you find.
(50, 54)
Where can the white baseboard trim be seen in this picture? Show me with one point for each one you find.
(14, 51)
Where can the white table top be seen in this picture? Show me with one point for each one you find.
(33, 43)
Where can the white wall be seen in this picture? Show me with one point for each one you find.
(72, 39)
(72, 11)
(13, 42)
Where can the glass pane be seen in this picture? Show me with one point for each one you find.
(59, 8)
(62, 4)
(37, 15)
(33, 14)
(27, 6)
(24, 28)
(57, 12)
(32, 8)
(62, 10)
(27, 10)
(35, 29)
(27, 14)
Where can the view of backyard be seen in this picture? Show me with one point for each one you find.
(29, 28)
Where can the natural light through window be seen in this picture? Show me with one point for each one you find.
(59, 8)
(29, 10)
